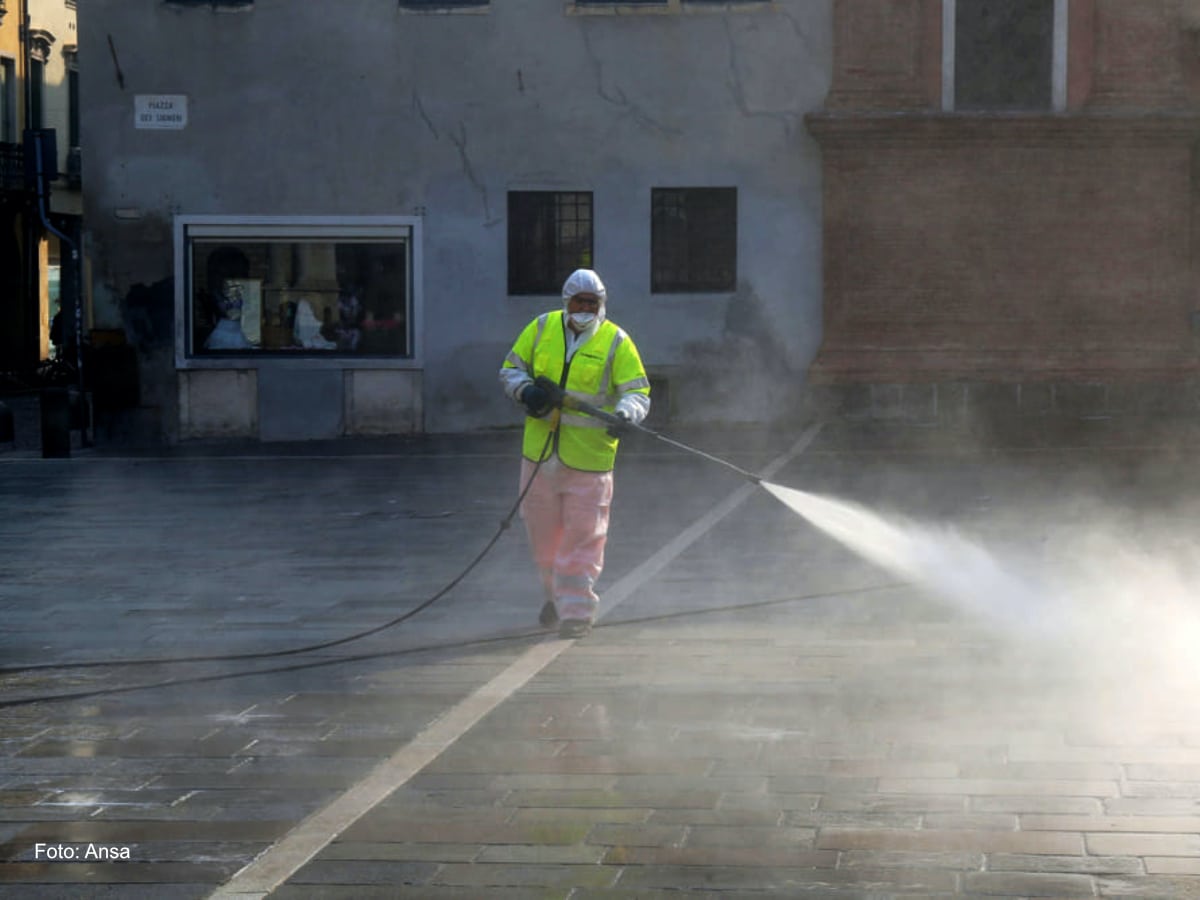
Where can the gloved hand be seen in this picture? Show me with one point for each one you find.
(537, 400)
(619, 428)
(554, 393)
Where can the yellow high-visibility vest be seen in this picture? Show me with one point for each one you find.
(601, 369)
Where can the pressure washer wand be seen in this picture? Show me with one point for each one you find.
(612, 419)
(756, 479)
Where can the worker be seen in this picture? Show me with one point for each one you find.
(589, 358)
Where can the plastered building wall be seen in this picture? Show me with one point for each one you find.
(363, 108)
(10, 34)
(58, 19)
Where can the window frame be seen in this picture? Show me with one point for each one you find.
(552, 287)
(1058, 60)
(658, 286)
(251, 228)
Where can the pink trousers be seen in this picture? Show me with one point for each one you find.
(566, 517)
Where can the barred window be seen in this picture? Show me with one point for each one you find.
(549, 237)
(693, 240)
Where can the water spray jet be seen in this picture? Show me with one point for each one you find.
(949, 565)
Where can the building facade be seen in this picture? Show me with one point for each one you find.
(1010, 198)
(39, 241)
(314, 220)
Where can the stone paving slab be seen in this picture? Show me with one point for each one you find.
(841, 733)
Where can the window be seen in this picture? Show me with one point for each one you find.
(443, 5)
(293, 289)
(693, 240)
(40, 44)
(74, 161)
(549, 237)
(8, 100)
(215, 5)
(37, 94)
(1004, 54)
(72, 98)
(667, 6)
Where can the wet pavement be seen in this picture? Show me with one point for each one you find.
(760, 713)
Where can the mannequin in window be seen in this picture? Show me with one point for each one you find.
(227, 266)
(307, 331)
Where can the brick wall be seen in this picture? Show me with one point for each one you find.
(1051, 248)
(956, 247)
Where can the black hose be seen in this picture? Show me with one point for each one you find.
(429, 648)
(308, 648)
(603, 415)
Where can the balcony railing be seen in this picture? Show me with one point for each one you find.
(12, 168)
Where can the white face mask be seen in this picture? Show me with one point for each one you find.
(582, 320)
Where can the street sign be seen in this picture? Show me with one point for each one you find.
(162, 111)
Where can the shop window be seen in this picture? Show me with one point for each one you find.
(549, 237)
(693, 240)
(295, 289)
(1005, 54)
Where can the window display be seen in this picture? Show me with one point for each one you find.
(290, 290)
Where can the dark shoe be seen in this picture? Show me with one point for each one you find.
(548, 617)
(574, 628)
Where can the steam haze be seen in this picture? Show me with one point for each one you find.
(1093, 601)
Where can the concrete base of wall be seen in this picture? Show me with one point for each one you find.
(383, 401)
(298, 404)
(218, 403)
